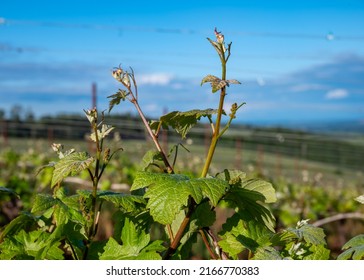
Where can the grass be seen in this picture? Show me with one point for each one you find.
(254, 162)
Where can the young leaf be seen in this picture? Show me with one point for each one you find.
(43, 202)
(233, 81)
(134, 239)
(71, 164)
(232, 176)
(135, 245)
(310, 234)
(101, 134)
(218, 85)
(129, 203)
(210, 79)
(169, 193)
(182, 122)
(61, 211)
(316, 252)
(261, 187)
(248, 195)
(150, 158)
(116, 98)
(217, 47)
(354, 249)
(31, 245)
(267, 253)
(243, 231)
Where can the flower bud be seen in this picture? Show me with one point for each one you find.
(117, 74)
(57, 147)
(219, 37)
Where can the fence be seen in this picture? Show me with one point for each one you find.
(342, 150)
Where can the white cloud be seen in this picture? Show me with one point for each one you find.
(338, 93)
(154, 79)
(306, 87)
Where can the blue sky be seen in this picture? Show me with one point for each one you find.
(297, 60)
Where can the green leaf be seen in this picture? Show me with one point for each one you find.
(203, 216)
(135, 245)
(8, 191)
(267, 253)
(231, 246)
(18, 223)
(150, 158)
(31, 245)
(134, 240)
(43, 167)
(310, 234)
(261, 189)
(232, 176)
(116, 98)
(169, 193)
(242, 231)
(182, 122)
(129, 203)
(317, 252)
(62, 212)
(264, 190)
(354, 249)
(101, 134)
(248, 195)
(71, 164)
(43, 202)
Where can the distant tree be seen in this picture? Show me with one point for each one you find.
(29, 115)
(15, 113)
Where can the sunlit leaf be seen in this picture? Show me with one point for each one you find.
(233, 81)
(243, 231)
(150, 158)
(218, 85)
(101, 134)
(354, 249)
(43, 202)
(135, 245)
(317, 252)
(169, 193)
(182, 122)
(116, 98)
(31, 245)
(262, 187)
(127, 202)
(309, 233)
(210, 79)
(232, 176)
(70, 165)
(267, 253)
(217, 47)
